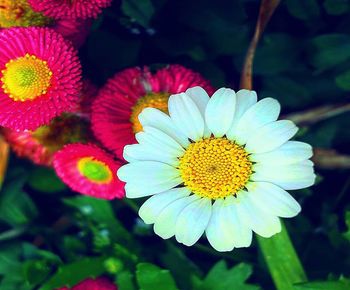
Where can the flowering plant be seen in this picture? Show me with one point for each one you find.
(174, 145)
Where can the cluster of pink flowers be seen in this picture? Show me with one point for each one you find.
(50, 115)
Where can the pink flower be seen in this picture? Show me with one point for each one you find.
(118, 104)
(93, 284)
(89, 170)
(40, 145)
(59, 9)
(75, 30)
(40, 77)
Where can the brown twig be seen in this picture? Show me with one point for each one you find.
(267, 8)
(4, 155)
(330, 159)
(317, 114)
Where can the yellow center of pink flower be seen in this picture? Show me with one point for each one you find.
(26, 78)
(152, 100)
(20, 13)
(94, 170)
(215, 168)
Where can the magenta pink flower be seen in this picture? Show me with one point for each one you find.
(89, 170)
(40, 77)
(75, 30)
(40, 145)
(118, 104)
(93, 284)
(63, 9)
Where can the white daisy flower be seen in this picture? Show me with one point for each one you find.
(217, 165)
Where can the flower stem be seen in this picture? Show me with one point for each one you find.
(267, 8)
(282, 260)
(4, 155)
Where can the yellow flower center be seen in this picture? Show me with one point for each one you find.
(20, 13)
(26, 78)
(215, 168)
(152, 100)
(94, 170)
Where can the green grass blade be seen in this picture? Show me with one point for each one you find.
(282, 260)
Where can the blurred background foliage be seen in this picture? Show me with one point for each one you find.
(50, 236)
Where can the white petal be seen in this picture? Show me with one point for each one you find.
(289, 153)
(241, 234)
(141, 152)
(147, 171)
(244, 100)
(136, 190)
(200, 97)
(165, 224)
(295, 176)
(263, 112)
(160, 141)
(219, 240)
(192, 221)
(157, 119)
(153, 206)
(225, 230)
(186, 116)
(260, 222)
(273, 199)
(271, 136)
(220, 110)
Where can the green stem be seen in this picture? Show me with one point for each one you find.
(282, 260)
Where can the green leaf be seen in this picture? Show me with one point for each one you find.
(71, 274)
(347, 221)
(36, 271)
(150, 277)
(139, 10)
(289, 91)
(44, 179)
(282, 260)
(303, 9)
(336, 7)
(325, 285)
(221, 278)
(9, 260)
(343, 81)
(329, 50)
(270, 58)
(125, 281)
(173, 257)
(101, 212)
(16, 207)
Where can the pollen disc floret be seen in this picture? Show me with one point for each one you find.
(153, 100)
(40, 77)
(20, 13)
(215, 168)
(89, 170)
(117, 107)
(26, 78)
(72, 9)
(217, 165)
(94, 170)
